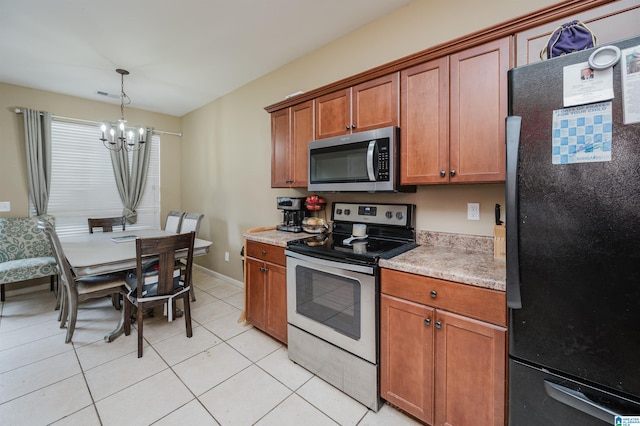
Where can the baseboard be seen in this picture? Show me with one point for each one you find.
(219, 275)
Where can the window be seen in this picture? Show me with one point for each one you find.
(82, 181)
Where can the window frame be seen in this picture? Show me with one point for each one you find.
(83, 184)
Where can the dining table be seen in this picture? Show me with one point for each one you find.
(110, 252)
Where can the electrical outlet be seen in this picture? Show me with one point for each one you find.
(5, 206)
(473, 211)
(226, 256)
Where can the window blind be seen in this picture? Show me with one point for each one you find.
(83, 185)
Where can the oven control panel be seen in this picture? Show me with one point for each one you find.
(380, 214)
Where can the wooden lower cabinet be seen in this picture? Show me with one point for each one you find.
(407, 356)
(266, 289)
(470, 371)
(441, 367)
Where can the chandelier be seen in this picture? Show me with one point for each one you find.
(117, 137)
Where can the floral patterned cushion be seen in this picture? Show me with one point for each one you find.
(25, 251)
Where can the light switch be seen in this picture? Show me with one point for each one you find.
(5, 206)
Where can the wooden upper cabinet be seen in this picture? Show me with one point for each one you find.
(291, 130)
(478, 109)
(424, 136)
(375, 103)
(302, 130)
(452, 112)
(280, 137)
(333, 114)
(611, 22)
(370, 105)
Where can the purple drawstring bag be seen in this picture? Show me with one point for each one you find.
(567, 38)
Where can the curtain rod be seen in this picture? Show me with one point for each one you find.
(81, 121)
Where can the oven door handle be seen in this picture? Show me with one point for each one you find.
(369, 270)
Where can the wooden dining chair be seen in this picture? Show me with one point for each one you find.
(76, 290)
(162, 286)
(174, 220)
(191, 222)
(107, 223)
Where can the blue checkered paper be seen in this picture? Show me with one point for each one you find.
(582, 134)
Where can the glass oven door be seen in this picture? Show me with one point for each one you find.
(333, 303)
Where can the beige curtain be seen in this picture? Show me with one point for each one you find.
(37, 135)
(130, 179)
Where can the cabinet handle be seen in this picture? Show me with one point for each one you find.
(427, 321)
(263, 269)
(289, 181)
(438, 324)
(452, 172)
(443, 173)
(434, 294)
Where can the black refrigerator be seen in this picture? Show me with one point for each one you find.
(573, 250)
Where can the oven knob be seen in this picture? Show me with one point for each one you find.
(338, 211)
(389, 215)
(347, 212)
(399, 215)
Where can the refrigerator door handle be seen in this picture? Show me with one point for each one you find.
(513, 261)
(579, 401)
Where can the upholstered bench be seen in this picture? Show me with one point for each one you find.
(25, 251)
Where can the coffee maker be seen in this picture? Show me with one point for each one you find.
(293, 212)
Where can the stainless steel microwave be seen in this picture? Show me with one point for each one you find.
(361, 162)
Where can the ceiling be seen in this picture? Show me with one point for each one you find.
(181, 55)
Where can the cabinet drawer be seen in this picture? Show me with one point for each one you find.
(476, 302)
(266, 252)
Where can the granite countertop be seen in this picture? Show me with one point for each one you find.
(275, 237)
(464, 259)
(453, 257)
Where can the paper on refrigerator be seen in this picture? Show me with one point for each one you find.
(631, 84)
(583, 85)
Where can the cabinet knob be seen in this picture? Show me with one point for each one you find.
(438, 324)
(353, 126)
(427, 321)
(434, 294)
(263, 269)
(443, 173)
(347, 127)
(452, 172)
(264, 252)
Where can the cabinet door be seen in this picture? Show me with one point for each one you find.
(424, 147)
(375, 104)
(611, 22)
(255, 293)
(470, 371)
(280, 132)
(276, 300)
(302, 132)
(333, 114)
(406, 356)
(478, 111)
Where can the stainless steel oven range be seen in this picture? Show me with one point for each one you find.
(333, 294)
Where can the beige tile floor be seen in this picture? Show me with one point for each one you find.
(225, 374)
